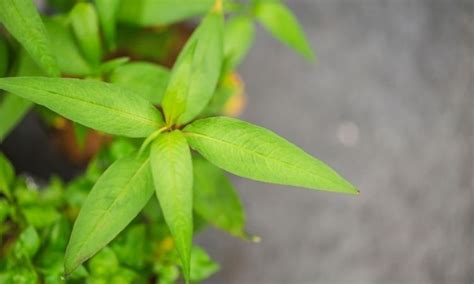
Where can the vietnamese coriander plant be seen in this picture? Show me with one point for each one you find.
(71, 64)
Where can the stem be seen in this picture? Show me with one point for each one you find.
(150, 138)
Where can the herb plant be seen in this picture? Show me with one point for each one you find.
(71, 64)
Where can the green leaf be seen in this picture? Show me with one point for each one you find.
(257, 153)
(22, 20)
(130, 246)
(14, 108)
(173, 178)
(160, 12)
(146, 79)
(28, 243)
(109, 66)
(107, 10)
(40, 216)
(7, 175)
(196, 72)
(202, 265)
(3, 56)
(104, 263)
(284, 26)
(85, 25)
(175, 97)
(94, 104)
(238, 37)
(117, 197)
(215, 198)
(67, 53)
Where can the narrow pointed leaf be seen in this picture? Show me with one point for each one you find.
(67, 53)
(14, 108)
(177, 90)
(238, 37)
(173, 178)
(22, 20)
(215, 199)
(7, 175)
(94, 104)
(3, 56)
(284, 26)
(254, 152)
(114, 201)
(85, 24)
(107, 10)
(204, 54)
(160, 12)
(146, 79)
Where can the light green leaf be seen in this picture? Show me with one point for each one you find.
(104, 263)
(173, 178)
(175, 96)
(22, 20)
(109, 66)
(94, 104)
(114, 201)
(215, 198)
(66, 51)
(40, 216)
(160, 12)
(202, 57)
(107, 10)
(3, 56)
(14, 108)
(257, 153)
(146, 79)
(202, 264)
(28, 243)
(284, 26)
(85, 24)
(238, 37)
(130, 246)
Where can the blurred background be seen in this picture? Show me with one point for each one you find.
(389, 105)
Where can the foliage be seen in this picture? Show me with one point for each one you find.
(119, 233)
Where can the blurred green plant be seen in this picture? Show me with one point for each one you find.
(100, 65)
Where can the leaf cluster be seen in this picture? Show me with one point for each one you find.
(71, 64)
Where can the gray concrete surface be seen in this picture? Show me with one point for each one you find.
(390, 105)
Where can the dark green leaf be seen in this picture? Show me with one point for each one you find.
(94, 104)
(86, 28)
(215, 198)
(146, 79)
(257, 153)
(22, 20)
(283, 25)
(117, 197)
(7, 175)
(3, 56)
(173, 178)
(160, 12)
